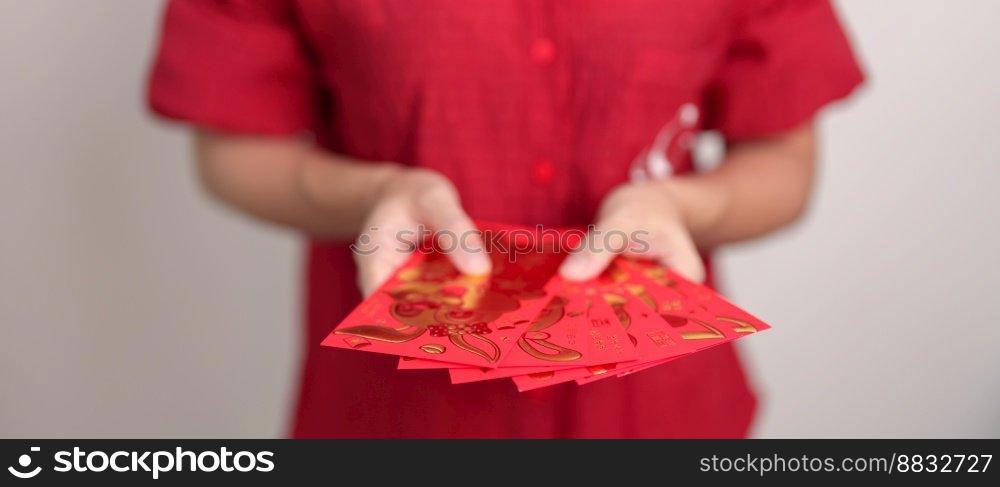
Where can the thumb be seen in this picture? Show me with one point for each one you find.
(459, 238)
(589, 259)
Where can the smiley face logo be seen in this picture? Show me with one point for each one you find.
(24, 461)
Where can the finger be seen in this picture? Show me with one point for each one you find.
(680, 254)
(594, 254)
(378, 258)
(375, 269)
(367, 282)
(456, 234)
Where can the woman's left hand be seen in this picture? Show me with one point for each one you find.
(643, 219)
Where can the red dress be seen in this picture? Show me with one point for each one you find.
(535, 109)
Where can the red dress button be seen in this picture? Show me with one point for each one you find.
(543, 51)
(543, 171)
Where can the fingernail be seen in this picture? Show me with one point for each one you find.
(475, 264)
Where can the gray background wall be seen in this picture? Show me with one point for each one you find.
(130, 305)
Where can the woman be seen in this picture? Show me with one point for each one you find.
(334, 117)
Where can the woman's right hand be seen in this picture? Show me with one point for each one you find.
(410, 201)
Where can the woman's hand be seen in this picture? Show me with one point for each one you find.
(642, 219)
(409, 201)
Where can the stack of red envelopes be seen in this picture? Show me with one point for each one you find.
(527, 323)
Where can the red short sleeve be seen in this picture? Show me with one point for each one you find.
(233, 65)
(787, 60)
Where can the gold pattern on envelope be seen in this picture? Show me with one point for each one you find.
(357, 342)
(660, 338)
(708, 332)
(659, 276)
(433, 348)
(537, 343)
(741, 326)
(434, 296)
(601, 369)
(617, 304)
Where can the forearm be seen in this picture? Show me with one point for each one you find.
(289, 182)
(760, 187)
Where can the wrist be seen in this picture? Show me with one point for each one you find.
(344, 189)
(383, 178)
(700, 202)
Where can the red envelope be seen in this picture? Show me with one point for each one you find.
(697, 313)
(652, 336)
(625, 371)
(666, 315)
(410, 363)
(573, 316)
(576, 328)
(427, 309)
(466, 375)
(550, 378)
(526, 323)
